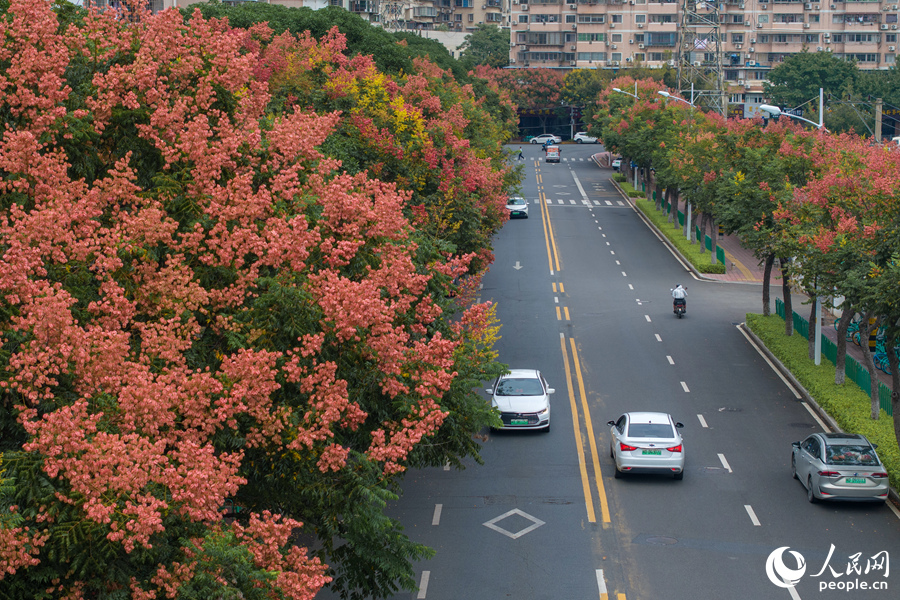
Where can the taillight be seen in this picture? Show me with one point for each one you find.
(879, 475)
(626, 448)
(675, 448)
(829, 474)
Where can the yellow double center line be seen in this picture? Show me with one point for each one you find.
(553, 260)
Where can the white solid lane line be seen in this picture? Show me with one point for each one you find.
(766, 358)
(725, 463)
(752, 514)
(436, 519)
(824, 427)
(702, 421)
(423, 585)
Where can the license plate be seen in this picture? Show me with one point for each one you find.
(854, 480)
(518, 422)
(651, 452)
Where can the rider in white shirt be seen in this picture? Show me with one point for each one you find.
(680, 297)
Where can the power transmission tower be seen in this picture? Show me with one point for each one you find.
(699, 58)
(393, 14)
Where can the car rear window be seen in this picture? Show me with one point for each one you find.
(519, 387)
(651, 430)
(851, 455)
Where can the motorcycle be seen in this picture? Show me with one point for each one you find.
(680, 307)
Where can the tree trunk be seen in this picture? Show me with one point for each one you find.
(891, 341)
(869, 363)
(714, 236)
(675, 199)
(812, 329)
(704, 219)
(788, 305)
(767, 277)
(840, 363)
(659, 197)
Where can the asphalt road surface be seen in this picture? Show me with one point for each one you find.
(582, 289)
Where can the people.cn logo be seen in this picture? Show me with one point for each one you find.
(779, 573)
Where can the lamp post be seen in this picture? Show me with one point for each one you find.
(775, 111)
(634, 95)
(688, 234)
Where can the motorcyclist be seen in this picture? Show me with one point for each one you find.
(679, 295)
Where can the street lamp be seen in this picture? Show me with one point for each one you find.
(634, 95)
(669, 96)
(688, 234)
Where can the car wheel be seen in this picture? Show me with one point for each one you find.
(618, 473)
(679, 476)
(810, 494)
(794, 467)
(547, 430)
(579, 141)
(611, 455)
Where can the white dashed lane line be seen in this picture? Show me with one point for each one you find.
(725, 463)
(752, 514)
(670, 359)
(702, 421)
(423, 585)
(436, 519)
(684, 386)
(658, 339)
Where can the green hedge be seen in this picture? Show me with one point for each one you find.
(847, 404)
(702, 261)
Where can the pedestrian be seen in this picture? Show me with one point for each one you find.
(521, 156)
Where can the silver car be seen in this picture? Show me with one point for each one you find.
(839, 466)
(647, 442)
(522, 398)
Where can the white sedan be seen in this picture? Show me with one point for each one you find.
(646, 442)
(522, 397)
(583, 138)
(546, 137)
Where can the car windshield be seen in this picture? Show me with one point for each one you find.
(519, 387)
(516, 201)
(651, 430)
(850, 455)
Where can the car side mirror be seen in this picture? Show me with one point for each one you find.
(795, 444)
(679, 425)
(875, 446)
(611, 423)
(489, 391)
(551, 390)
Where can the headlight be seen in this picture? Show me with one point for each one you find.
(541, 413)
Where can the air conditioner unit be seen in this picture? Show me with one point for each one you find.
(894, 27)
(753, 63)
(527, 63)
(671, 63)
(612, 25)
(817, 7)
(886, 8)
(752, 50)
(827, 40)
(807, 6)
(613, 46)
(523, 47)
(614, 63)
(628, 59)
(806, 26)
(640, 25)
(883, 27)
(571, 63)
(752, 40)
(697, 63)
(630, 41)
(833, 7)
(892, 48)
(893, 7)
(827, 34)
(641, 46)
(631, 2)
(512, 61)
(523, 7)
(738, 46)
(829, 50)
(484, 7)
(574, 26)
(741, 82)
(746, 86)
(819, 48)
(571, 47)
(759, 25)
(741, 5)
(763, 6)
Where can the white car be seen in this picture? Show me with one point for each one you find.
(546, 137)
(517, 207)
(617, 164)
(583, 138)
(522, 397)
(646, 442)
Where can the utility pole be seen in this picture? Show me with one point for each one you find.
(878, 106)
(699, 55)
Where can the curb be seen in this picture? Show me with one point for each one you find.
(893, 495)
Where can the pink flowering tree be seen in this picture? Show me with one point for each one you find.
(215, 338)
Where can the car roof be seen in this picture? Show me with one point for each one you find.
(833, 439)
(649, 417)
(532, 373)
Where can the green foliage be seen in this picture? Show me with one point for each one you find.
(798, 79)
(486, 45)
(701, 261)
(847, 404)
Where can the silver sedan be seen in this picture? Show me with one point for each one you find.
(839, 466)
(647, 442)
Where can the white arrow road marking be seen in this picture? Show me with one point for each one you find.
(517, 266)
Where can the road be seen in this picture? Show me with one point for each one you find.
(582, 288)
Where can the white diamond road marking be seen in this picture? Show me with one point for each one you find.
(492, 524)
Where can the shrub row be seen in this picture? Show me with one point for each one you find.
(847, 404)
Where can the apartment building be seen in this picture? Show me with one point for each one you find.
(755, 35)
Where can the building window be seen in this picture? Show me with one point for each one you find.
(616, 56)
(890, 59)
(737, 38)
(616, 19)
(762, 18)
(640, 18)
(570, 18)
(523, 18)
(616, 38)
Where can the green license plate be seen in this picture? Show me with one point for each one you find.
(519, 422)
(854, 480)
(651, 452)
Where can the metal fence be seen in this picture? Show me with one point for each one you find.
(854, 371)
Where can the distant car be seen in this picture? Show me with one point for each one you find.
(522, 397)
(517, 207)
(546, 137)
(617, 164)
(553, 154)
(839, 466)
(646, 442)
(583, 138)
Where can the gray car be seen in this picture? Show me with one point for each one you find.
(647, 442)
(522, 397)
(839, 466)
